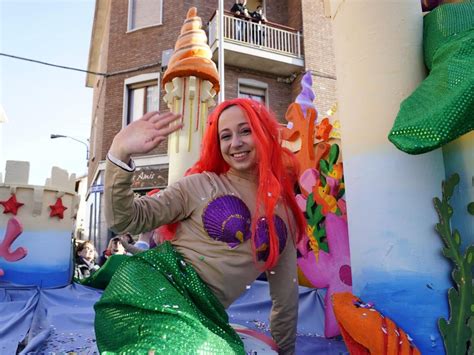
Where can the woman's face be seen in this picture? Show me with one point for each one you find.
(236, 140)
(87, 253)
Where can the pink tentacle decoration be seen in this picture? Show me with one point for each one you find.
(14, 229)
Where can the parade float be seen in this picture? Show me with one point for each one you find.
(385, 228)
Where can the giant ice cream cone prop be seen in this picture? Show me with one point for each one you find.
(191, 82)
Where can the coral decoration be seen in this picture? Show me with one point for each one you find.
(301, 126)
(323, 130)
(57, 209)
(366, 331)
(321, 193)
(13, 231)
(458, 330)
(192, 55)
(331, 269)
(11, 205)
(306, 97)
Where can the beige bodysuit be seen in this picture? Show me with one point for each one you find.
(213, 236)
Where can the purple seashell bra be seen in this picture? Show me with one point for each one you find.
(227, 219)
(261, 240)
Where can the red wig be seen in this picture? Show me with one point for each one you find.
(277, 167)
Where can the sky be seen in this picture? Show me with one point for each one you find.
(40, 100)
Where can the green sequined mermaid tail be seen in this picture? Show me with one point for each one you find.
(155, 301)
(101, 278)
(442, 108)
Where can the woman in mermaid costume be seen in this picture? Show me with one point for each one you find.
(237, 217)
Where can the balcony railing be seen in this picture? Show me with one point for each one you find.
(269, 36)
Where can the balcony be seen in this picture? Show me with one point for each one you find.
(268, 47)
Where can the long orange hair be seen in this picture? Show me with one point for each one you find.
(277, 168)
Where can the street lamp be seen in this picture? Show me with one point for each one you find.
(53, 136)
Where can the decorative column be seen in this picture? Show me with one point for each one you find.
(191, 83)
(395, 253)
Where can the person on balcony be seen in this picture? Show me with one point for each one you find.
(259, 17)
(237, 215)
(240, 11)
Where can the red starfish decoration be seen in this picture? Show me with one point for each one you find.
(57, 209)
(11, 205)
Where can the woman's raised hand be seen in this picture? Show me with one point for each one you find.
(143, 135)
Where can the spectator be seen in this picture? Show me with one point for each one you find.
(259, 17)
(85, 261)
(240, 10)
(115, 247)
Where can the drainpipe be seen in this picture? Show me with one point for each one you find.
(220, 52)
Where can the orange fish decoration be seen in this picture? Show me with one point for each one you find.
(366, 331)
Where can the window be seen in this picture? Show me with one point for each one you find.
(253, 89)
(142, 95)
(144, 13)
(142, 99)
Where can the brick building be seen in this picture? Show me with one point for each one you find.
(132, 41)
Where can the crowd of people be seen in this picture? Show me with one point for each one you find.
(87, 260)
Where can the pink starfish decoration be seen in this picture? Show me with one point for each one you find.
(14, 229)
(331, 270)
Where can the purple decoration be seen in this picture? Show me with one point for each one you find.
(428, 5)
(227, 219)
(306, 97)
(262, 237)
(345, 274)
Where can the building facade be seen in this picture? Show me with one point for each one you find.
(132, 41)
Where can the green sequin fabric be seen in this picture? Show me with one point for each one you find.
(101, 278)
(156, 303)
(442, 108)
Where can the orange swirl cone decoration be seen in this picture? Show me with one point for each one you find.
(192, 55)
(191, 82)
(366, 331)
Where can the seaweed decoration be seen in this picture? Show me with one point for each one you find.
(457, 331)
(316, 231)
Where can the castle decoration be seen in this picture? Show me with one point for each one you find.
(36, 227)
(57, 210)
(326, 262)
(191, 82)
(11, 205)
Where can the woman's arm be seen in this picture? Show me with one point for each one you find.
(283, 282)
(123, 212)
(126, 214)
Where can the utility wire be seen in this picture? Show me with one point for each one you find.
(106, 75)
(50, 64)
